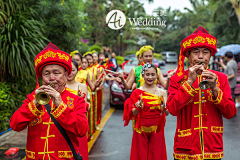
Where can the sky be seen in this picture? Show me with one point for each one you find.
(175, 4)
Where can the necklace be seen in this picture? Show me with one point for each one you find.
(149, 92)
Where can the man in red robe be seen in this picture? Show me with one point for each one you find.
(199, 111)
(44, 141)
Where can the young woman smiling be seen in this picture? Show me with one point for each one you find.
(147, 106)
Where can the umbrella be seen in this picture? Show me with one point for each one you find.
(234, 48)
(217, 54)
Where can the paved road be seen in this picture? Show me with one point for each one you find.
(114, 143)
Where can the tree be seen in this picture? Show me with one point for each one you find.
(64, 22)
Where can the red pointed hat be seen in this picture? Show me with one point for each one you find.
(52, 55)
(200, 38)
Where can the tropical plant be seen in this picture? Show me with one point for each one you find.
(8, 8)
(20, 40)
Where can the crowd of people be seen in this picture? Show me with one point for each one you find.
(76, 98)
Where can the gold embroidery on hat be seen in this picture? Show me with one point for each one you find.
(49, 54)
(38, 60)
(187, 43)
(199, 39)
(63, 56)
(211, 41)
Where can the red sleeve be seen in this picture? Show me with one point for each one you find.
(128, 106)
(224, 101)
(179, 96)
(72, 120)
(27, 112)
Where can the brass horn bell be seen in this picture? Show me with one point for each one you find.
(204, 84)
(42, 97)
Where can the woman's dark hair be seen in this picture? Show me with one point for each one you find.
(84, 58)
(75, 63)
(80, 55)
(89, 55)
(153, 66)
(229, 54)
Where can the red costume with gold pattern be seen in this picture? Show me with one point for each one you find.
(148, 140)
(44, 141)
(199, 116)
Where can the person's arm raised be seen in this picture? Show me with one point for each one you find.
(127, 85)
(162, 81)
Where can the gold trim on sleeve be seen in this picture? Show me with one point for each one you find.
(59, 110)
(189, 89)
(34, 109)
(219, 97)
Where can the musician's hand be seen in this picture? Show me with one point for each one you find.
(192, 73)
(40, 89)
(137, 104)
(211, 78)
(55, 95)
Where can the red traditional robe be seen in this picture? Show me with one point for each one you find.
(148, 142)
(199, 117)
(44, 141)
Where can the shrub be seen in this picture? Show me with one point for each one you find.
(7, 106)
(12, 95)
(96, 48)
(120, 59)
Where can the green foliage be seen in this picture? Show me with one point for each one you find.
(83, 48)
(129, 52)
(7, 106)
(157, 55)
(226, 27)
(7, 9)
(96, 48)
(119, 59)
(218, 17)
(12, 95)
(20, 40)
(64, 21)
